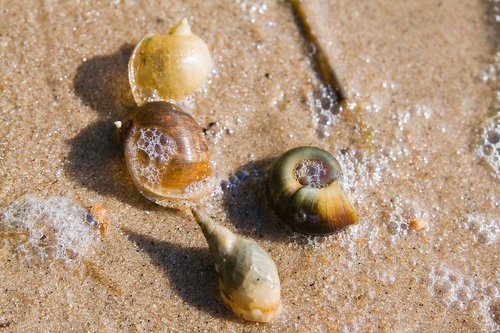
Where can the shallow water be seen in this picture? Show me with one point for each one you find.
(421, 79)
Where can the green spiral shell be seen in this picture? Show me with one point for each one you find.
(305, 192)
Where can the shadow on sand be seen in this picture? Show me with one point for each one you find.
(248, 208)
(190, 270)
(95, 160)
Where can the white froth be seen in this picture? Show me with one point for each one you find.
(322, 104)
(309, 173)
(489, 141)
(252, 10)
(198, 186)
(361, 173)
(483, 228)
(52, 228)
(159, 149)
(460, 293)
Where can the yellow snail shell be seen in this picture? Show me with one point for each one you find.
(170, 66)
(306, 193)
(166, 154)
(248, 277)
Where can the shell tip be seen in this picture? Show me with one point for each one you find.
(202, 219)
(118, 124)
(181, 28)
(205, 222)
(196, 213)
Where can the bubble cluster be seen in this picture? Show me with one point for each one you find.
(152, 152)
(360, 172)
(464, 294)
(484, 229)
(252, 9)
(489, 145)
(311, 174)
(233, 180)
(489, 140)
(325, 107)
(148, 94)
(197, 186)
(412, 123)
(53, 228)
(402, 215)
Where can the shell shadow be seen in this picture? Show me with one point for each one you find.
(101, 82)
(247, 204)
(94, 161)
(190, 270)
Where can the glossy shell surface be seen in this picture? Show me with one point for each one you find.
(166, 153)
(248, 277)
(165, 67)
(305, 191)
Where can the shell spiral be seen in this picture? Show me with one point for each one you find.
(305, 192)
(166, 153)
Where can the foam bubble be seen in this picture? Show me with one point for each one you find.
(156, 149)
(311, 174)
(197, 186)
(484, 229)
(443, 289)
(361, 173)
(404, 215)
(252, 9)
(234, 180)
(489, 143)
(325, 108)
(464, 294)
(52, 228)
(460, 293)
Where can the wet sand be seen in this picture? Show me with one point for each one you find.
(410, 145)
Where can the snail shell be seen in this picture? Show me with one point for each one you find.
(166, 154)
(169, 66)
(248, 277)
(306, 193)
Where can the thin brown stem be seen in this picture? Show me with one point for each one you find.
(321, 60)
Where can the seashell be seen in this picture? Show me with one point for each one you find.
(166, 154)
(306, 193)
(248, 277)
(170, 66)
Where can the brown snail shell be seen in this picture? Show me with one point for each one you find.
(166, 154)
(305, 191)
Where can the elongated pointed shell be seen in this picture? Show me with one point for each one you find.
(248, 277)
(170, 66)
(305, 192)
(166, 154)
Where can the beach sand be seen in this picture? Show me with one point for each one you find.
(421, 81)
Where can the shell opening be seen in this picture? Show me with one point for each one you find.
(314, 174)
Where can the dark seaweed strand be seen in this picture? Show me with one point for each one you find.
(321, 62)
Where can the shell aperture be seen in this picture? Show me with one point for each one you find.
(305, 192)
